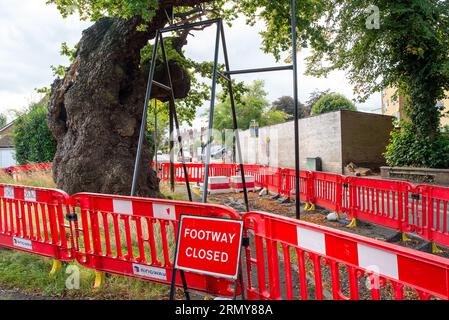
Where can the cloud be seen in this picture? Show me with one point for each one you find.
(31, 33)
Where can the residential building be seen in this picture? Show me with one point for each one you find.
(394, 106)
(7, 150)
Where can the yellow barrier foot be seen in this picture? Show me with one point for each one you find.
(56, 267)
(208, 298)
(99, 279)
(312, 207)
(405, 238)
(353, 223)
(306, 207)
(435, 248)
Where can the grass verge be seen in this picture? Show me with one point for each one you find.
(30, 273)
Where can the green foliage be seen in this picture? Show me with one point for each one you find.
(159, 114)
(96, 9)
(3, 120)
(252, 105)
(408, 51)
(32, 138)
(275, 14)
(287, 105)
(332, 102)
(314, 97)
(60, 70)
(405, 150)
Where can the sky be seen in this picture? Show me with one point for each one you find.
(31, 34)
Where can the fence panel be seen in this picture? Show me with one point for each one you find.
(291, 259)
(136, 237)
(415, 209)
(377, 201)
(438, 214)
(326, 190)
(33, 220)
(20, 172)
(288, 184)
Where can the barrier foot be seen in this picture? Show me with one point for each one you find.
(306, 207)
(311, 207)
(99, 279)
(56, 267)
(353, 223)
(405, 238)
(435, 249)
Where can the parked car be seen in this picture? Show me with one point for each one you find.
(216, 152)
(187, 156)
(162, 157)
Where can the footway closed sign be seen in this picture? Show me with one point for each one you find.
(209, 246)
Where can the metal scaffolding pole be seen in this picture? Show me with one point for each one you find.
(175, 116)
(211, 112)
(143, 125)
(295, 97)
(234, 118)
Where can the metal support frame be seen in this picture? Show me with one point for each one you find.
(259, 70)
(295, 98)
(175, 117)
(156, 165)
(227, 76)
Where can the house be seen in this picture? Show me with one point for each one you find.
(393, 105)
(7, 150)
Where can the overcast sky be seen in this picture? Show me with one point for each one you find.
(31, 33)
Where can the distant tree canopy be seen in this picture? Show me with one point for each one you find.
(253, 105)
(314, 97)
(332, 102)
(3, 120)
(33, 140)
(287, 105)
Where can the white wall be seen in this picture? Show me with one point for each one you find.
(7, 157)
(319, 136)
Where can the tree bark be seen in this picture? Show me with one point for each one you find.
(96, 110)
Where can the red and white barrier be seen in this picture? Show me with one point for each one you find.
(218, 184)
(389, 271)
(237, 184)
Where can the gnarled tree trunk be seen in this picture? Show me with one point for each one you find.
(96, 110)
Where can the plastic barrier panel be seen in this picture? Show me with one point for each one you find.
(20, 172)
(136, 237)
(326, 190)
(290, 259)
(32, 220)
(438, 214)
(415, 210)
(288, 178)
(377, 201)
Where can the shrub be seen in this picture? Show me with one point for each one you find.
(332, 102)
(32, 138)
(405, 149)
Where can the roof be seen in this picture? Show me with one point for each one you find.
(6, 136)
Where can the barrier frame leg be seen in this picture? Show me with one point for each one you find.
(56, 267)
(100, 279)
(353, 223)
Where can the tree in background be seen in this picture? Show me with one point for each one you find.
(252, 105)
(3, 120)
(314, 97)
(402, 44)
(33, 141)
(332, 102)
(287, 105)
